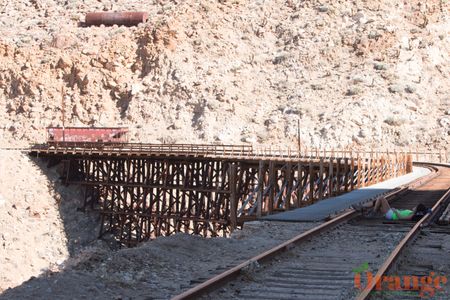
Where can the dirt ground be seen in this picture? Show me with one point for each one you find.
(155, 270)
(361, 74)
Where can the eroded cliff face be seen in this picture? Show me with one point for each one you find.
(367, 74)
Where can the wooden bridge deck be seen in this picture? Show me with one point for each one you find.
(147, 190)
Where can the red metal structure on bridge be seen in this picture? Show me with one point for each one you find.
(87, 135)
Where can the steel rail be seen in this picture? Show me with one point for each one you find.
(365, 294)
(228, 275)
(221, 279)
(232, 273)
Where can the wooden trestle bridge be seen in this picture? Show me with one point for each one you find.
(146, 190)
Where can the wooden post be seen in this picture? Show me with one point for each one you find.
(338, 176)
(321, 179)
(359, 172)
(233, 197)
(380, 167)
(289, 185)
(405, 162)
(391, 161)
(396, 165)
(352, 173)
(388, 167)
(346, 169)
(363, 173)
(272, 182)
(260, 188)
(409, 166)
(378, 162)
(330, 178)
(311, 182)
(299, 185)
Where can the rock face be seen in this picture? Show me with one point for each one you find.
(32, 239)
(216, 72)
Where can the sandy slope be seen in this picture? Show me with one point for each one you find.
(31, 236)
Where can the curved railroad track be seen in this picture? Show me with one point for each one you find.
(322, 263)
(426, 257)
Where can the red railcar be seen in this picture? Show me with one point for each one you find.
(87, 135)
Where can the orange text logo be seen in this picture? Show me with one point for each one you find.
(426, 286)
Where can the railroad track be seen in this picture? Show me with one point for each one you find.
(323, 263)
(427, 256)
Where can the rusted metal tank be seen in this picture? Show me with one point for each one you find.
(87, 134)
(115, 18)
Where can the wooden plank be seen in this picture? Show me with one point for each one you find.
(346, 170)
(339, 175)
(378, 162)
(409, 166)
(300, 184)
(358, 185)
(272, 182)
(260, 188)
(397, 169)
(330, 178)
(289, 179)
(352, 173)
(388, 166)
(321, 179)
(363, 172)
(233, 196)
(311, 183)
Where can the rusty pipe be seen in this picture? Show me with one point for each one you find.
(115, 18)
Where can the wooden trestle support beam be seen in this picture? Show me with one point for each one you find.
(141, 197)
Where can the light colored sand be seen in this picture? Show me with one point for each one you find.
(31, 236)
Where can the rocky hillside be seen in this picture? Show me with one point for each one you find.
(365, 73)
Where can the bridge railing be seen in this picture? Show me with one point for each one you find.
(235, 151)
(144, 148)
(442, 156)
